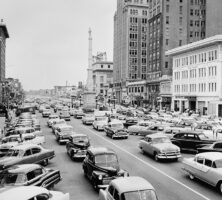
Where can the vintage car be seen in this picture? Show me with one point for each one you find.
(31, 193)
(130, 121)
(215, 147)
(46, 113)
(23, 130)
(101, 166)
(88, 119)
(77, 146)
(134, 129)
(151, 129)
(51, 119)
(14, 140)
(26, 153)
(72, 111)
(29, 174)
(190, 140)
(159, 146)
(128, 188)
(64, 115)
(56, 123)
(206, 167)
(100, 122)
(115, 129)
(204, 128)
(63, 132)
(79, 114)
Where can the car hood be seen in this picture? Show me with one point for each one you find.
(166, 146)
(81, 145)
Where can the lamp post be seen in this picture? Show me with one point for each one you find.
(114, 98)
(80, 101)
(96, 101)
(109, 100)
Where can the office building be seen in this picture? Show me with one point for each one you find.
(130, 44)
(197, 72)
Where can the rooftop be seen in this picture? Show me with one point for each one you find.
(4, 28)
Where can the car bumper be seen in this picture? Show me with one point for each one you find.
(121, 136)
(63, 140)
(164, 156)
(88, 122)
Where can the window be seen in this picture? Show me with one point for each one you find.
(108, 66)
(35, 150)
(167, 19)
(167, 8)
(181, 9)
(180, 21)
(191, 12)
(180, 42)
(166, 65)
(101, 66)
(111, 190)
(28, 152)
(167, 41)
(208, 163)
(200, 160)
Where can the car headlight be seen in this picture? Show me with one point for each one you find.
(162, 151)
(100, 177)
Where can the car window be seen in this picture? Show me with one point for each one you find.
(218, 146)
(208, 162)
(36, 150)
(111, 190)
(42, 197)
(30, 175)
(28, 152)
(200, 160)
(38, 172)
(190, 136)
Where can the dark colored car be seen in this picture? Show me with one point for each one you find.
(130, 121)
(26, 154)
(101, 166)
(191, 140)
(29, 174)
(215, 147)
(77, 146)
(115, 129)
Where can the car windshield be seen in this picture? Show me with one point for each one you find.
(161, 140)
(107, 160)
(66, 129)
(139, 195)
(11, 179)
(202, 136)
(101, 119)
(13, 153)
(117, 125)
(218, 163)
(80, 138)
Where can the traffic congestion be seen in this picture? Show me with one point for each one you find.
(62, 152)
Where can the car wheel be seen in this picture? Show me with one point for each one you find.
(191, 176)
(113, 137)
(45, 162)
(156, 157)
(219, 187)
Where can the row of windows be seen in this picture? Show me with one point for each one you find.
(202, 87)
(136, 89)
(212, 71)
(198, 58)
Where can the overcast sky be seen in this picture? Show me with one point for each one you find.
(48, 42)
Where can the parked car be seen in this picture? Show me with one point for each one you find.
(77, 146)
(64, 115)
(115, 129)
(88, 119)
(79, 114)
(215, 147)
(130, 121)
(56, 123)
(26, 153)
(23, 130)
(31, 193)
(63, 132)
(100, 122)
(51, 119)
(101, 166)
(135, 129)
(129, 188)
(151, 129)
(46, 113)
(191, 140)
(206, 167)
(29, 174)
(160, 147)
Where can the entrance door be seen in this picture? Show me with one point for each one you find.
(220, 110)
(193, 105)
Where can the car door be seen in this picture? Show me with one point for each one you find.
(34, 177)
(27, 157)
(37, 155)
(90, 165)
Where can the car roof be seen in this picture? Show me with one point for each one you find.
(25, 146)
(24, 168)
(211, 155)
(78, 135)
(192, 132)
(21, 192)
(131, 183)
(157, 135)
(115, 121)
(100, 150)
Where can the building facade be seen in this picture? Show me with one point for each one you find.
(197, 72)
(130, 44)
(102, 77)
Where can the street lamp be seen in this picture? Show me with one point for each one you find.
(96, 101)
(80, 98)
(114, 98)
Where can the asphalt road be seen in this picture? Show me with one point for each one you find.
(167, 177)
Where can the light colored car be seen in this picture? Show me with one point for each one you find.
(100, 122)
(46, 113)
(57, 123)
(88, 119)
(159, 146)
(127, 188)
(205, 166)
(51, 119)
(142, 125)
(31, 193)
(63, 132)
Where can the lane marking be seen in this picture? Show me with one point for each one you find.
(151, 166)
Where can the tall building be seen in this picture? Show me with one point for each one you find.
(173, 23)
(130, 44)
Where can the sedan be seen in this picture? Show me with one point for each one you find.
(26, 153)
(29, 174)
(215, 147)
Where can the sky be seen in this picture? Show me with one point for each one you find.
(48, 42)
